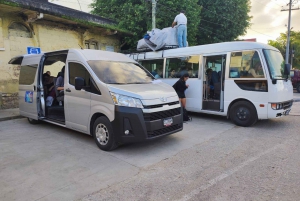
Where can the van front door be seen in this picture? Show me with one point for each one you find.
(77, 102)
(213, 81)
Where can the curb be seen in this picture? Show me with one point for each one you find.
(11, 118)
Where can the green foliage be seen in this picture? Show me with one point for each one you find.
(135, 16)
(223, 20)
(280, 44)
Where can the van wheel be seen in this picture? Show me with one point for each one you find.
(243, 113)
(298, 88)
(103, 134)
(33, 121)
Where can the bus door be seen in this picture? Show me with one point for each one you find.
(213, 82)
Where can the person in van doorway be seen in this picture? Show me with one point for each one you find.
(181, 22)
(254, 72)
(60, 86)
(60, 80)
(49, 73)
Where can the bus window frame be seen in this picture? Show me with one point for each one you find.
(200, 59)
(262, 61)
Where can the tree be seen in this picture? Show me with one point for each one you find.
(280, 44)
(223, 20)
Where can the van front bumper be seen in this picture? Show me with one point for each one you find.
(133, 125)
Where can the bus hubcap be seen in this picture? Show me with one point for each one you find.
(102, 134)
(243, 113)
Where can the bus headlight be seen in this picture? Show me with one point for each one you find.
(277, 106)
(126, 101)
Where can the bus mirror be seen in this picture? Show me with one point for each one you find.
(287, 69)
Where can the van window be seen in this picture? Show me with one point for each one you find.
(155, 67)
(245, 64)
(27, 74)
(78, 70)
(120, 73)
(176, 67)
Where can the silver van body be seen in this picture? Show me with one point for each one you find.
(112, 112)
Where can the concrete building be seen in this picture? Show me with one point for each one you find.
(38, 23)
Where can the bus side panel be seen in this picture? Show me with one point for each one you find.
(193, 93)
(234, 92)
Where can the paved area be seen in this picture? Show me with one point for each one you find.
(211, 159)
(9, 114)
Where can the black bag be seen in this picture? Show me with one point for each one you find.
(185, 115)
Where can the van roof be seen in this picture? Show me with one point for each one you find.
(88, 54)
(204, 49)
(103, 55)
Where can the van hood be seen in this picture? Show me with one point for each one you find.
(154, 90)
(283, 90)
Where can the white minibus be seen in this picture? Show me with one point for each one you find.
(245, 81)
(103, 94)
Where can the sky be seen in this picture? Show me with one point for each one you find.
(267, 22)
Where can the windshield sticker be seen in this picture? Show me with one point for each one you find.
(29, 96)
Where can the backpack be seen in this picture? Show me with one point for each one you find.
(186, 116)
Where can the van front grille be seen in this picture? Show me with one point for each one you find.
(160, 105)
(163, 131)
(162, 114)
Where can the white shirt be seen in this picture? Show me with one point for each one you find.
(180, 19)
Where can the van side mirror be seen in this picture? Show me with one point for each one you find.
(79, 83)
(287, 69)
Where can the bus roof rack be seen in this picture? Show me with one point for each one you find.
(148, 49)
(145, 50)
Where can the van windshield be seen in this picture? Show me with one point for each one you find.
(275, 63)
(120, 73)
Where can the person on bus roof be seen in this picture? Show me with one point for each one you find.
(181, 22)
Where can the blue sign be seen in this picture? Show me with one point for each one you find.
(33, 50)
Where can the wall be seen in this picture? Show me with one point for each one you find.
(49, 36)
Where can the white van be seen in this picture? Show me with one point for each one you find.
(106, 95)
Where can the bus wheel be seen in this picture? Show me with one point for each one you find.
(103, 134)
(33, 121)
(298, 88)
(243, 113)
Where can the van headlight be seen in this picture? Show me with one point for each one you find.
(126, 101)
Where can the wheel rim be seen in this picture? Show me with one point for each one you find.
(243, 113)
(102, 134)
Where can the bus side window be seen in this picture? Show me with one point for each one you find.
(176, 67)
(155, 67)
(245, 64)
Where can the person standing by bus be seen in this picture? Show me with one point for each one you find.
(181, 22)
(180, 86)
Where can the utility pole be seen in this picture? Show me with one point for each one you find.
(289, 31)
(153, 13)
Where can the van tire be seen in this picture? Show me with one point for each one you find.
(243, 113)
(103, 134)
(33, 121)
(298, 88)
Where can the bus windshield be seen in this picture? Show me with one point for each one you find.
(120, 73)
(275, 63)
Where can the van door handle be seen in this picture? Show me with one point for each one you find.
(34, 87)
(68, 90)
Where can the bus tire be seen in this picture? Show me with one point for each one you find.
(103, 134)
(298, 87)
(33, 121)
(243, 113)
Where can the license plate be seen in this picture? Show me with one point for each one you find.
(287, 112)
(168, 122)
